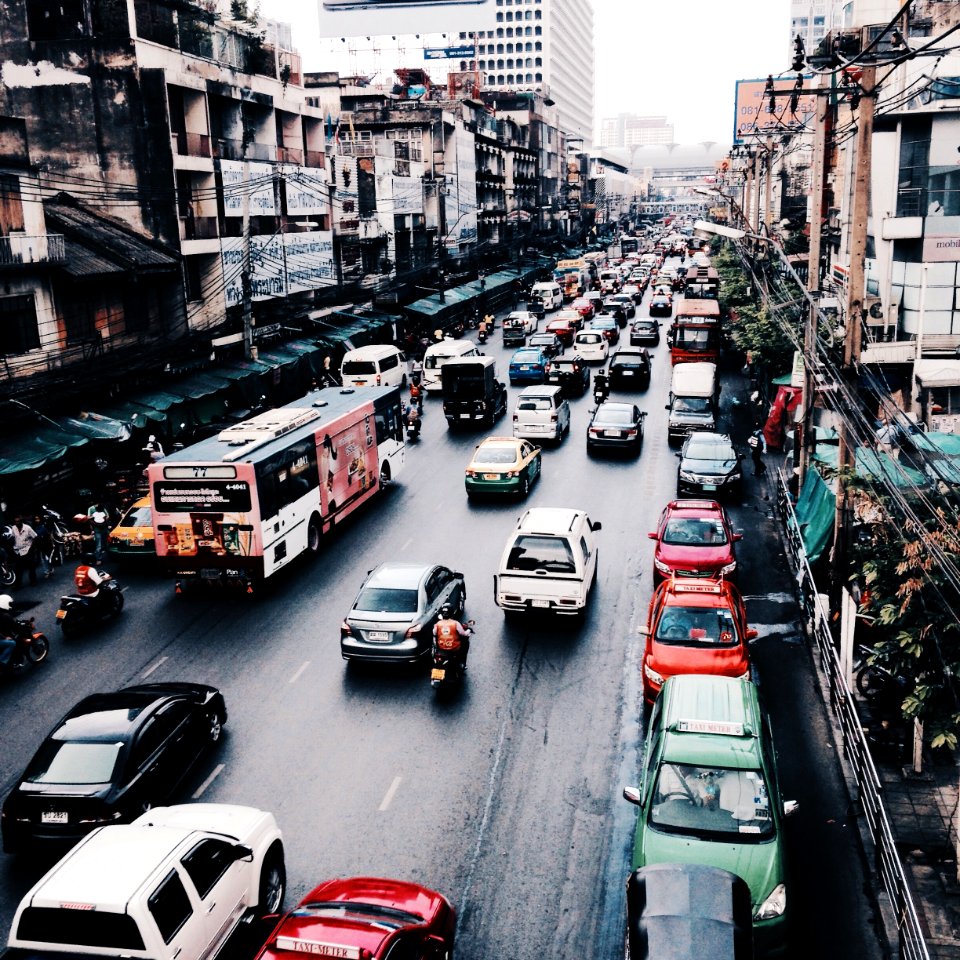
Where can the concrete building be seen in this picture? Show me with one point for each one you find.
(630, 130)
(812, 20)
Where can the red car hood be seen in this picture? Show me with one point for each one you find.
(683, 557)
(670, 659)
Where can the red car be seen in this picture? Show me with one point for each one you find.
(695, 626)
(563, 329)
(694, 539)
(584, 307)
(368, 918)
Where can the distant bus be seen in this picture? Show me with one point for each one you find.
(629, 245)
(237, 507)
(573, 276)
(702, 283)
(695, 332)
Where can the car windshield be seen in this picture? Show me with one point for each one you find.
(387, 600)
(697, 627)
(552, 554)
(496, 454)
(384, 916)
(700, 532)
(709, 451)
(614, 413)
(74, 762)
(711, 803)
(137, 517)
(691, 405)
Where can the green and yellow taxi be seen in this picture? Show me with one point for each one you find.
(503, 465)
(709, 793)
(133, 535)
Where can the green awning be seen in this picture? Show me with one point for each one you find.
(241, 369)
(134, 414)
(881, 466)
(158, 400)
(28, 452)
(815, 514)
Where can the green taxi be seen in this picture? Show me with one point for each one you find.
(709, 793)
(503, 465)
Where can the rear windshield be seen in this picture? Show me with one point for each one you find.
(353, 367)
(535, 403)
(74, 762)
(496, 455)
(552, 554)
(137, 517)
(618, 415)
(87, 928)
(590, 338)
(387, 600)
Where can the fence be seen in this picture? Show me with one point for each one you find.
(889, 869)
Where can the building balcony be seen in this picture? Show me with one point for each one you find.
(289, 155)
(236, 150)
(199, 228)
(314, 158)
(20, 249)
(190, 144)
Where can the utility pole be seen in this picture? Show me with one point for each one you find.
(246, 277)
(768, 188)
(755, 207)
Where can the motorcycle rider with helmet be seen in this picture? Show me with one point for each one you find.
(601, 386)
(87, 579)
(451, 637)
(9, 630)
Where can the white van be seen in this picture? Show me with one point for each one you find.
(694, 399)
(541, 411)
(549, 293)
(437, 354)
(592, 346)
(549, 563)
(379, 365)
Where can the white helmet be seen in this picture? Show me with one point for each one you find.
(151, 439)
(6, 601)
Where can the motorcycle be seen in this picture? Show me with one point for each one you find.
(79, 610)
(601, 390)
(32, 647)
(413, 430)
(448, 668)
(482, 335)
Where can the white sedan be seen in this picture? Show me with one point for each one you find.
(592, 346)
(531, 321)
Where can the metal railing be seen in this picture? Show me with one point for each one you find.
(886, 859)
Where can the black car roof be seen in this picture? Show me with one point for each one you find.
(113, 715)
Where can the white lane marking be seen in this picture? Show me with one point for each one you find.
(217, 770)
(299, 673)
(407, 544)
(149, 670)
(388, 796)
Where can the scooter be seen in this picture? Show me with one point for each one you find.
(413, 430)
(78, 610)
(601, 390)
(448, 669)
(32, 647)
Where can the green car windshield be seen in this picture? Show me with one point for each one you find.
(711, 803)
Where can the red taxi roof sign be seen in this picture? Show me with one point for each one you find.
(697, 588)
(694, 504)
(336, 951)
(726, 728)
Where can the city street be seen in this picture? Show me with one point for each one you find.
(506, 797)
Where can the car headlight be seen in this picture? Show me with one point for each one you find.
(652, 675)
(774, 905)
(661, 566)
(728, 568)
(688, 476)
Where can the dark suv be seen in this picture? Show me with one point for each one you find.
(630, 369)
(571, 374)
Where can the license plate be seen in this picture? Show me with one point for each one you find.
(708, 486)
(491, 476)
(464, 416)
(378, 635)
(437, 673)
(627, 373)
(524, 366)
(53, 816)
(543, 604)
(611, 433)
(61, 614)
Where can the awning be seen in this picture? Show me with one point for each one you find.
(96, 426)
(26, 452)
(136, 415)
(159, 400)
(815, 510)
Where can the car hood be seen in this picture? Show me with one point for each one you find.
(709, 468)
(759, 864)
(693, 557)
(670, 659)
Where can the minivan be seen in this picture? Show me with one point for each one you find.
(437, 354)
(378, 365)
(549, 293)
(541, 411)
(549, 563)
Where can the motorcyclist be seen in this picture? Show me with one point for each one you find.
(87, 579)
(9, 630)
(411, 419)
(451, 637)
(601, 386)
(483, 329)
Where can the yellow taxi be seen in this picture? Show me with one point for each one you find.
(133, 535)
(503, 465)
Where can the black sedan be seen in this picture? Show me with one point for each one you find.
(630, 369)
(570, 373)
(645, 332)
(392, 619)
(616, 426)
(113, 756)
(709, 464)
(661, 305)
(548, 343)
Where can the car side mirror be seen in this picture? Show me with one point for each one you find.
(242, 852)
(790, 807)
(596, 525)
(652, 536)
(678, 455)
(666, 406)
(633, 795)
(751, 634)
(737, 537)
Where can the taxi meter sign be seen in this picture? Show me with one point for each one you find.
(726, 728)
(753, 117)
(317, 949)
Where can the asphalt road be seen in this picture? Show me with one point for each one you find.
(506, 798)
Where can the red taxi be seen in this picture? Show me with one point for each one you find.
(694, 539)
(584, 307)
(365, 918)
(563, 329)
(695, 626)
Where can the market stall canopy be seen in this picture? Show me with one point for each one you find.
(96, 426)
(136, 415)
(814, 512)
(33, 451)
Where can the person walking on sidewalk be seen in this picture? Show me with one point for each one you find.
(24, 555)
(757, 445)
(100, 521)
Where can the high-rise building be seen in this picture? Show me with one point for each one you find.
(812, 20)
(629, 130)
(545, 46)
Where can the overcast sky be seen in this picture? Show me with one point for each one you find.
(677, 58)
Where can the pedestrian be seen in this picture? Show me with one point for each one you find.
(43, 546)
(100, 522)
(888, 435)
(153, 449)
(757, 445)
(23, 553)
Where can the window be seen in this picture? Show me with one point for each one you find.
(528, 15)
(89, 928)
(509, 78)
(157, 731)
(509, 16)
(18, 325)
(531, 552)
(169, 906)
(207, 862)
(510, 63)
(56, 19)
(509, 48)
(914, 167)
(528, 47)
(499, 48)
(194, 279)
(538, 61)
(537, 44)
(499, 20)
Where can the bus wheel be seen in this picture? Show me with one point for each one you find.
(384, 476)
(313, 535)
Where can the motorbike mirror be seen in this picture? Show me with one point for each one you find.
(632, 794)
(666, 406)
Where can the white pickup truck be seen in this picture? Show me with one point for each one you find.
(173, 885)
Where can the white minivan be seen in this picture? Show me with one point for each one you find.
(549, 293)
(541, 411)
(549, 563)
(437, 354)
(592, 346)
(378, 365)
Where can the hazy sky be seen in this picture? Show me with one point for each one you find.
(676, 58)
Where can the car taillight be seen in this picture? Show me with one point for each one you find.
(553, 418)
(345, 630)
(516, 417)
(631, 433)
(595, 431)
(378, 380)
(413, 630)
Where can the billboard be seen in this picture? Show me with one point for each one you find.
(351, 18)
(753, 117)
